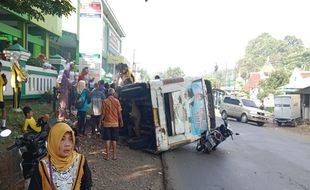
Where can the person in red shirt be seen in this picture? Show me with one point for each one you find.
(84, 76)
(112, 120)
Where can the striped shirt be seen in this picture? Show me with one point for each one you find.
(111, 112)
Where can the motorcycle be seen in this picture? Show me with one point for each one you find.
(210, 140)
(32, 148)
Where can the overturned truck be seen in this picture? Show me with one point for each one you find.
(164, 114)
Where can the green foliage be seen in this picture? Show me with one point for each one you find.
(37, 9)
(144, 75)
(288, 53)
(221, 78)
(270, 85)
(172, 72)
(47, 96)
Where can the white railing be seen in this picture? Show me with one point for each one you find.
(36, 84)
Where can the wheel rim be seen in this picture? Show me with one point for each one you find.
(244, 118)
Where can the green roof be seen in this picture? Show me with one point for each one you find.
(16, 47)
(56, 56)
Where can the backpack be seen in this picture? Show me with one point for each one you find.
(78, 101)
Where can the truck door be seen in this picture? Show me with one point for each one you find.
(282, 108)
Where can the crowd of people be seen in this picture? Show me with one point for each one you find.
(63, 167)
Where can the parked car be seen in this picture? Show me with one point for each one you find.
(243, 110)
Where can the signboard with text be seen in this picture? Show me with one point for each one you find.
(91, 37)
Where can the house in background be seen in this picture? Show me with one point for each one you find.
(299, 83)
(252, 85)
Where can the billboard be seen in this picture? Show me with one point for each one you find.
(91, 37)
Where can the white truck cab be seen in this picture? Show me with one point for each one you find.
(164, 114)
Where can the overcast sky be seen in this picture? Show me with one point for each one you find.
(196, 34)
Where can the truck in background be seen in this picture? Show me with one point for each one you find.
(287, 109)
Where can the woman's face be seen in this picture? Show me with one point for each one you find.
(66, 145)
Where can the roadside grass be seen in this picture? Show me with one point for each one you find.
(15, 120)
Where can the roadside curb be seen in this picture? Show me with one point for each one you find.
(166, 178)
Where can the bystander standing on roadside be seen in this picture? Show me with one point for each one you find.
(97, 96)
(81, 114)
(111, 121)
(101, 86)
(64, 90)
(3, 82)
(84, 76)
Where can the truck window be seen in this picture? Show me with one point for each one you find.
(168, 110)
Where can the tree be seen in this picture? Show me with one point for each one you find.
(144, 75)
(37, 9)
(172, 73)
(277, 78)
(288, 53)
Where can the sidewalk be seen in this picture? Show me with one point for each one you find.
(132, 170)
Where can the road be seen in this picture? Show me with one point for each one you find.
(260, 158)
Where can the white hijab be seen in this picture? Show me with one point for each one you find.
(81, 86)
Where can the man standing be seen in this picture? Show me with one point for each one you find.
(3, 82)
(97, 97)
(112, 120)
(84, 76)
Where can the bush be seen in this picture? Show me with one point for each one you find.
(47, 96)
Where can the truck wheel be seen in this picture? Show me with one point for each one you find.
(279, 124)
(244, 118)
(224, 115)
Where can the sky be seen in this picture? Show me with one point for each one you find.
(197, 34)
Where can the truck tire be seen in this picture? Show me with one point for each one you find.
(279, 123)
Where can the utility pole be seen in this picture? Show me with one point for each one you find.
(134, 69)
(226, 86)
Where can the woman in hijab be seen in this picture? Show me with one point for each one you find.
(81, 115)
(64, 94)
(62, 168)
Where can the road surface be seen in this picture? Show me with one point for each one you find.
(260, 158)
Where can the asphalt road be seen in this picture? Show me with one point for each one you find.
(260, 158)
